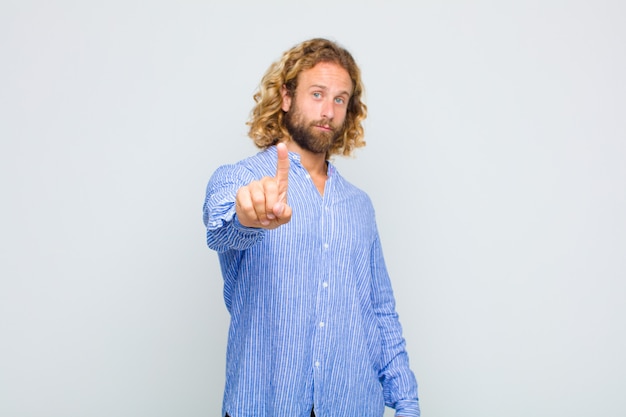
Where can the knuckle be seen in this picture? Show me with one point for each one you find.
(245, 208)
(271, 186)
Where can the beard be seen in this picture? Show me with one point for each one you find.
(308, 136)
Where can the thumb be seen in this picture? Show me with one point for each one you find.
(282, 171)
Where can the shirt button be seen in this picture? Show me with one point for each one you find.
(317, 364)
(321, 324)
(325, 245)
(325, 284)
(308, 176)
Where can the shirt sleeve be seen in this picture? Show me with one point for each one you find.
(224, 232)
(398, 381)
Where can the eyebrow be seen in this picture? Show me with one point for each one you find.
(323, 87)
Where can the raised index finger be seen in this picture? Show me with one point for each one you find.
(282, 170)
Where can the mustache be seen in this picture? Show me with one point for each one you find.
(324, 122)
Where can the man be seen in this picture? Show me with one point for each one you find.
(313, 328)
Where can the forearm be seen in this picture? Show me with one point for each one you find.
(227, 233)
(398, 381)
(224, 231)
(397, 378)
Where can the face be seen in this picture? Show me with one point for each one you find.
(315, 115)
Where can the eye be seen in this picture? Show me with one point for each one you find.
(340, 100)
(317, 94)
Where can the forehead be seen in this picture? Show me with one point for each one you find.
(327, 75)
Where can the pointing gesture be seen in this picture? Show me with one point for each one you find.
(263, 203)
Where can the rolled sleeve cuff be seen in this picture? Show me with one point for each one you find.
(226, 232)
(408, 408)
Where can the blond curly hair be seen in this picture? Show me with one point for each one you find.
(266, 122)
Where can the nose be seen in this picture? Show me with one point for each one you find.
(328, 109)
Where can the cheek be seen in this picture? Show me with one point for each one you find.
(310, 108)
(340, 115)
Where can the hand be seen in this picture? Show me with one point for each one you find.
(263, 203)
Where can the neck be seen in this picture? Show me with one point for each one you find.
(314, 163)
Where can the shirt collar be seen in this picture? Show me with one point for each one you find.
(295, 157)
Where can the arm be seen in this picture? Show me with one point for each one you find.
(238, 207)
(399, 384)
(224, 231)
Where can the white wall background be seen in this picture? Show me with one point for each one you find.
(495, 159)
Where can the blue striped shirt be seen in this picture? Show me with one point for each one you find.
(313, 320)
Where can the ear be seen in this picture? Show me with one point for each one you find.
(286, 105)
